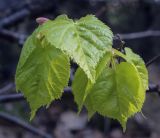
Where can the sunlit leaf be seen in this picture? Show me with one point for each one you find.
(115, 95)
(139, 64)
(81, 84)
(85, 40)
(42, 73)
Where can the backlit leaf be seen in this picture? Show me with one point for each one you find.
(85, 40)
(139, 64)
(115, 94)
(81, 84)
(42, 73)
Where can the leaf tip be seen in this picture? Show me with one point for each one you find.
(33, 112)
(123, 124)
(90, 115)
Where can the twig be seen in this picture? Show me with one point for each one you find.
(17, 97)
(6, 88)
(6, 34)
(23, 124)
(11, 98)
(12, 36)
(152, 60)
(14, 17)
(119, 37)
(137, 35)
(118, 43)
(153, 89)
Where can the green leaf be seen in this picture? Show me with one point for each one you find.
(115, 94)
(44, 68)
(85, 40)
(81, 84)
(28, 48)
(139, 64)
(42, 73)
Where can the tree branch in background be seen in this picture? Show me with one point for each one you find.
(7, 88)
(153, 60)
(15, 17)
(14, 120)
(153, 89)
(18, 97)
(11, 98)
(12, 36)
(128, 36)
(143, 34)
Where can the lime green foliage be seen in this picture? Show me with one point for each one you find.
(28, 48)
(115, 95)
(42, 73)
(85, 40)
(101, 84)
(114, 86)
(81, 84)
(139, 64)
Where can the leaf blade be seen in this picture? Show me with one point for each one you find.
(81, 40)
(139, 64)
(43, 75)
(115, 96)
(81, 84)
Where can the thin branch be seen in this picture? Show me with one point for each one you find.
(14, 17)
(153, 60)
(143, 34)
(12, 36)
(18, 97)
(30, 8)
(11, 98)
(6, 88)
(14, 120)
(153, 89)
(118, 39)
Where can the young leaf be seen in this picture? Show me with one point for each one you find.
(115, 94)
(42, 73)
(85, 40)
(139, 64)
(78, 87)
(28, 48)
(81, 84)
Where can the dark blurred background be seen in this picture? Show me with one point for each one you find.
(138, 24)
